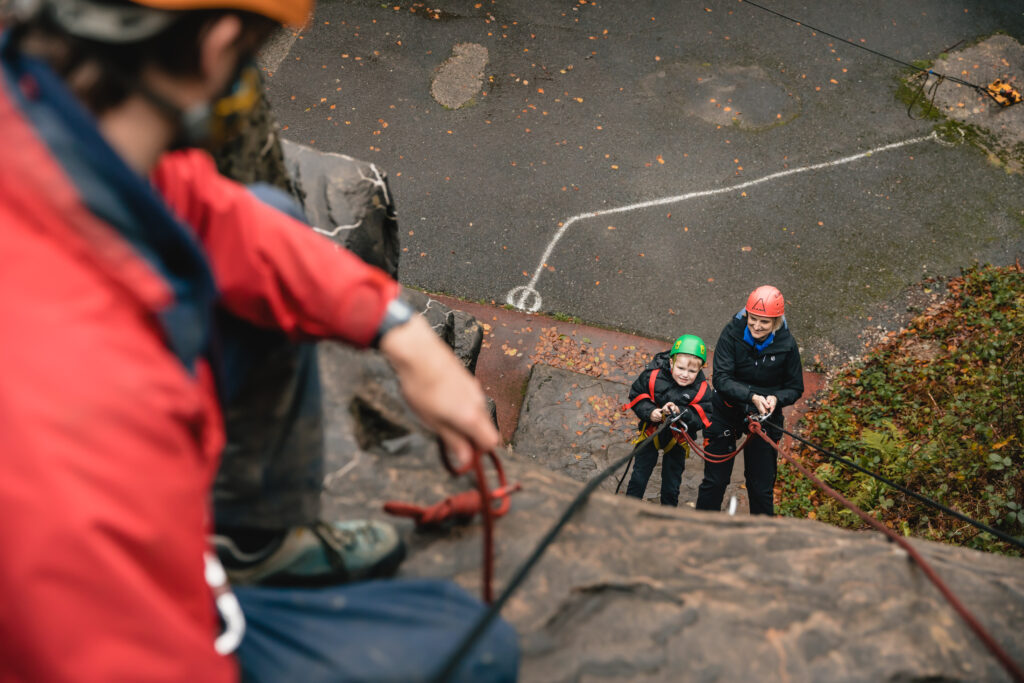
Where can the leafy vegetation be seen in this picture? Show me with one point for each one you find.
(938, 408)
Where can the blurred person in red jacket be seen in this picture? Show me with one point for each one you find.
(142, 291)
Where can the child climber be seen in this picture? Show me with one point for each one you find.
(672, 382)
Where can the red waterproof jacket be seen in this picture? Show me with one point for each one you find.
(109, 442)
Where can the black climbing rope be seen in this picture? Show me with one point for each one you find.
(902, 489)
(485, 619)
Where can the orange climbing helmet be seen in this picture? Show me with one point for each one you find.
(292, 12)
(127, 21)
(767, 301)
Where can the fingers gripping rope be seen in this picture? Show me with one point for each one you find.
(464, 506)
(1015, 671)
(713, 458)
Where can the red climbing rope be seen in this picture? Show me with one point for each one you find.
(464, 506)
(708, 457)
(997, 651)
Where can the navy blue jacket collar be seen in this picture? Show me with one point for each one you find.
(117, 194)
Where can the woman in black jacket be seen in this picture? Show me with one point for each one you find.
(757, 369)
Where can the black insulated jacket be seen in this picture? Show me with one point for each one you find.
(740, 370)
(696, 395)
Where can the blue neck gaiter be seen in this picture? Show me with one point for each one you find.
(749, 338)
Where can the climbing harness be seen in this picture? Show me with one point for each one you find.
(1002, 93)
(986, 638)
(464, 506)
(648, 430)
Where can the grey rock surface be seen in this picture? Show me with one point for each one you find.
(347, 200)
(458, 329)
(255, 154)
(635, 592)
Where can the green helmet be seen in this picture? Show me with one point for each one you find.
(691, 344)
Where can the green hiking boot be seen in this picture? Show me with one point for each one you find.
(317, 555)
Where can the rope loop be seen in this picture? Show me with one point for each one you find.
(466, 505)
(713, 458)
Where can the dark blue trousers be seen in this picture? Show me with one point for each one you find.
(393, 631)
(673, 462)
(760, 464)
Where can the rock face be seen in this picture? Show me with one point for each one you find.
(458, 329)
(635, 592)
(562, 428)
(347, 200)
(255, 155)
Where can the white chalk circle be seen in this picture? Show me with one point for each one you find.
(524, 298)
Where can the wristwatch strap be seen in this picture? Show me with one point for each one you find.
(398, 312)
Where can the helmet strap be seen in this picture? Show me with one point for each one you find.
(208, 124)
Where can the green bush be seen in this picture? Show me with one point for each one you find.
(938, 408)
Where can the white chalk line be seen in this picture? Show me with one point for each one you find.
(520, 296)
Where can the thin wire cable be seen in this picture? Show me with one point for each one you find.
(868, 49)
(924, 499)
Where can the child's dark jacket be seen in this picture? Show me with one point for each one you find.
(693, 399)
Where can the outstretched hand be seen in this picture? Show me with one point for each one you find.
(440, 390)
